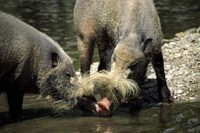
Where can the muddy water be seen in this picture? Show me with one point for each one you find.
(55, 19)
(38, 118)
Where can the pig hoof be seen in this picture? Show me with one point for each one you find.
(168, 100)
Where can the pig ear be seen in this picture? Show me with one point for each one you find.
(147, 46)
(54, 59)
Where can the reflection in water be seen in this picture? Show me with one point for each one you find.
(165, 117)
(39, 118)
(54, 17)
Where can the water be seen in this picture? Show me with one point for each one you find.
(55, 19)
(38, 118)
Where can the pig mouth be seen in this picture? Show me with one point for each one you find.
(103, 107)
(89, 104)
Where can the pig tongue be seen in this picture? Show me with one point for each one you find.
(103, 107)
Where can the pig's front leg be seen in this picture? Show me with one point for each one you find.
(15, 98)
(163, 90)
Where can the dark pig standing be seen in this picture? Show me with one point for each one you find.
(32, 60)
(128, 36)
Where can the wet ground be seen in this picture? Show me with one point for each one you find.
(55, 19)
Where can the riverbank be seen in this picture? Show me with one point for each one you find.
(182, 67)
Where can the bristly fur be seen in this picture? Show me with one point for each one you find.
(112, 84)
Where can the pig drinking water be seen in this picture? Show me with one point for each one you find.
(128, 36)
(31, 60)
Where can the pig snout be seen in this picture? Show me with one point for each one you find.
(103, 107)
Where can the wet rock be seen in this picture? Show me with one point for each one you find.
(198, 30)
(192, 30)
(179, 118)
(194, 130)
(180, 91)
(193, 121)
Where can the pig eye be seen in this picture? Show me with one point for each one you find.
(142, 61)
(54, 59)
(134, 64)
(68, 74)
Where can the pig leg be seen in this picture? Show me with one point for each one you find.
(105, 58)
(163, 90)
(85, 47)
(106, 47)
(15, 99)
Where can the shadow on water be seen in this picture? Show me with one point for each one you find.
(28, 114)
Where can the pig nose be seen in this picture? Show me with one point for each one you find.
(103, 107)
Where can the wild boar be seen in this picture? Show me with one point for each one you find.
(128, 36)
(30, 60)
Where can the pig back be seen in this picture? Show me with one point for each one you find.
(97, 17)
(118, 18)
